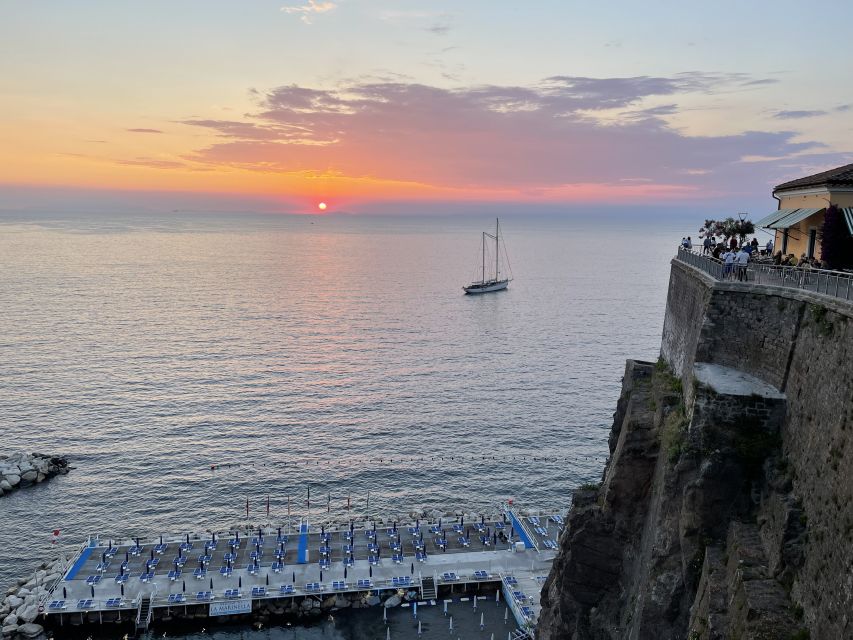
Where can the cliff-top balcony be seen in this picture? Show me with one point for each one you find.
(837, 284)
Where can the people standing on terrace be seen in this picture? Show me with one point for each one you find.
(728, 262)
(706, 246)
(742, 262)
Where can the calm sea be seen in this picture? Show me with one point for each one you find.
(335, 352)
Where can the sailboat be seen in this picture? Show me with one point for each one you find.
(492, 284)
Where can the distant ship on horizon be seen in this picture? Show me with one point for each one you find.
(495, 283)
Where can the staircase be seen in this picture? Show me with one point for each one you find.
(143, 614)
(428, 590)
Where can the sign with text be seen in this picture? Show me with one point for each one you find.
(230, 607)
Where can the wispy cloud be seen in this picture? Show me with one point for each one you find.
(312, 8)
(153, 163)
(439, 28)
(527, 138)
(798, 115)
(143, 130)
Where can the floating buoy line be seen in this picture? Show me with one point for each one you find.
(360, 460)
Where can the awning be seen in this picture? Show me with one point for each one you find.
(793, 218)
(773, 217)
(848, 216)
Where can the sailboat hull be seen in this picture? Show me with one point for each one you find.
(486, 287)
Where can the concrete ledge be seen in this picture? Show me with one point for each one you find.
(728, 381)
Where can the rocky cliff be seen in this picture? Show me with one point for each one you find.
(725, 509)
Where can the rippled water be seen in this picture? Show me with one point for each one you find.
(307, 350)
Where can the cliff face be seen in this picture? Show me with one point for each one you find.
(724, 510)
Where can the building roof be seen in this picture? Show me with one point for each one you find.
(838, 177)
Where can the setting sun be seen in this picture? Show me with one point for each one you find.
(322, 206)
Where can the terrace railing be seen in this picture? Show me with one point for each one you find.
(837, 284)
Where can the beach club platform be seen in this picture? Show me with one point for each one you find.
(228, 573)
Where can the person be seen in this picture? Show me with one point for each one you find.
(769, 247)
(728, 262)
(754, 245)
(706, 245)
(777, 259)
(683, 242)
(713, 241)
(747, 247)
(718, 250)
(689, 244)
(733, 244)
(742, 261)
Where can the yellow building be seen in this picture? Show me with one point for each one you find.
(802, 204)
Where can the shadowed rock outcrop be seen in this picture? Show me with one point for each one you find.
(722, 455)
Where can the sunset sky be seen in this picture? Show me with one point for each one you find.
(372, 105)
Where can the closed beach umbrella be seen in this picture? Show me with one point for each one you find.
(184, 586)
(413, 568)
(345, 573)
(237, 536)
(126, 556)
(294, 577)
(161, 539)
(93, 590)
(64, 593)
(321, 575)
(152, 554)
(211, 583)
(240, 581)
(371, 571)
(122, 589)
(188, 538)
(268, 579)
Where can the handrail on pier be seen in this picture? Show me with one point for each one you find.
(836, 284)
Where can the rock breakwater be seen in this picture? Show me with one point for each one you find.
(23, 469)
(19, 606)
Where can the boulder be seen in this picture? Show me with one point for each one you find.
(30, 630)
(10, 620)
(14, 602)
(28, 613)
(393, 601)
(39, 478)
(8, 630)
(329, 602)
(372, 601)
(13, 480)
(29, 475)
(341, 602)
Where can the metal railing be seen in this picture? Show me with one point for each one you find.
(837, 284)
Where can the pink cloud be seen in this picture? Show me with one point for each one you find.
(540, 137)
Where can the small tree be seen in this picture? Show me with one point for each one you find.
(728, 228)
(836, 243)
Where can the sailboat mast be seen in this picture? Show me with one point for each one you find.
(484, 257)
(497, 249)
